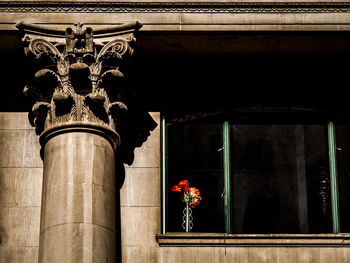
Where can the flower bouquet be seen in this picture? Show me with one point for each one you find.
(191, 197)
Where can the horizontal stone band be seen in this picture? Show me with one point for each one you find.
(174, 7)
(251, 240)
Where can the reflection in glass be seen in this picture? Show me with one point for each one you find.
(280, 179)
(343, 167)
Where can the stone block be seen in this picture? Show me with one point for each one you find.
(19, 148)
(23, 227)
(139, 226)
(32, 226)
(11, 148)
(156, 118)
(19, 254)
(329, 254)
(20, 186)
(193, 255)
(14, 120)
(259, 255)
(8, 187)
(140, 254)
(141, 187)
(31, 151)
(149, 154)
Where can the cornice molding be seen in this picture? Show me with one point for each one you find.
(172, 7)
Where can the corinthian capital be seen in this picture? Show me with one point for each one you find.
(78, 78)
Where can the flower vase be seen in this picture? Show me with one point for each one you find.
(187, 219)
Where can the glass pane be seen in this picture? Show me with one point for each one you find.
(343, 167)
(280, 179)
(195, 154)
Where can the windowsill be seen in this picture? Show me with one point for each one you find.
(257, 240)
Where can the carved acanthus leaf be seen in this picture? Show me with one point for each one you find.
(111, 82)
(43, 85)
(39, 114)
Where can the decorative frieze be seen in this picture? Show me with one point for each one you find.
(173, 7)
(78, 79)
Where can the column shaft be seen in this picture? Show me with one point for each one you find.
(78, 216)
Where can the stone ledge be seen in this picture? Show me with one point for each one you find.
(252, 240)
(163, 15)
(174, 7)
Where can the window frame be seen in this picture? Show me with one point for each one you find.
(227, 203)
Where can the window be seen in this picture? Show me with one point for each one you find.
(258, 177)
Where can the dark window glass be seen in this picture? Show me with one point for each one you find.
(343, 167)
(194, 153)
(280, 179)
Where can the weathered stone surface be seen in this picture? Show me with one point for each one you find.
(79, 203)
(82, 243)
(149, 155)
(19, 254)
(20, 187)
(141, 187)
(13, 152)
(80, 158)
(140, 254)
(31, 150)
(78, 196)
(14, 121)
(20, 190)
(136, 220)
(189, 15)
(11, 149)
(140, 202)
(23, 226)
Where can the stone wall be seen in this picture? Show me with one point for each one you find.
(20, 189)
(20, 198)
(20, 195)
(140, 202)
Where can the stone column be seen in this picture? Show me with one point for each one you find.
(78, 214)
(86, 130)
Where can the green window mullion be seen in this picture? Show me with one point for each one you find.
(163, 164)
(333, 176)
(227, 172)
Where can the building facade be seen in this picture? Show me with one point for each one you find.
(192, 66)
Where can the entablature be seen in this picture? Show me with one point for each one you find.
(183, 15)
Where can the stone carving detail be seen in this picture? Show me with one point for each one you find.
(79, 79)
(174, 7)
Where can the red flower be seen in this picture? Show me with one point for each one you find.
(184, 185)
(189, 195)
(176, 188)
(194, 191)
(195, 197)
